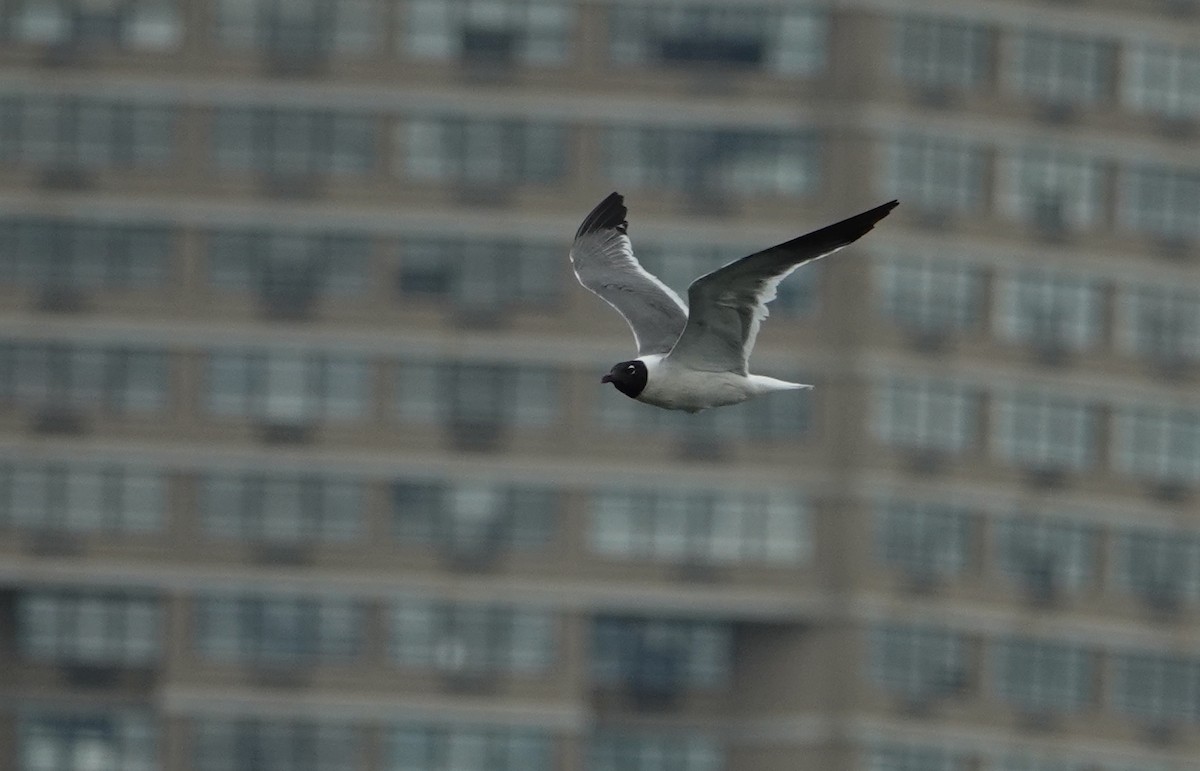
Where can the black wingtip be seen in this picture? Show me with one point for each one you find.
(881, 211)
(821, 242)
(854, 228)
(609, 214)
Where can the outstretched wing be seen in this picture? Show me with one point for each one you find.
(728, 305)
(604, 263)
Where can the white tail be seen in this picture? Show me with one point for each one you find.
(765, 385)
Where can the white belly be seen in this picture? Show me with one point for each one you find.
(684, 389)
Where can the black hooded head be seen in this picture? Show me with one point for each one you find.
(629, 377)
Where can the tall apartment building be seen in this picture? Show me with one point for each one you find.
(305, 465)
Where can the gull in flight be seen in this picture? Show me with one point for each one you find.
(696, 356)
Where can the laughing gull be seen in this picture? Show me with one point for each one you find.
(693, 361)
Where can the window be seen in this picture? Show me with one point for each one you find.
(782, 417)
(79, 626)
(1027, 761)
(787, 39)
(69, 131)
(420, 747)
(1045, 432)
(480, 275)
(298, 27)
(1039, 676)
(769, 528)
(1159, 443)
(702, 527)
(475, 516)
(1162, 79)
(925, 414)
(480, 395)
(924, 539)
(294, 264)
(281, 508)
(933, 52)
(465, 639)
(612, 750)
(659, 655)
(82, 497)
(1160, 567)
(134, 25)
(61, 376)
(913, 757)
(532, 32)
(483, 152)
(918, 662)
(677, 265)
(1050, 310)
(87, 740)
(40, 253)
(1053, 190)
(939, 175)
(1059, 68)
(714, 163)
(278, 630)
(1160, 201)
(928, 294)
(1160, 322)
(293, 142)
(1157, 687)
(282, 386)
(1046, 556)
(259, 744)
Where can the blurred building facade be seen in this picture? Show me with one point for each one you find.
(304, 462)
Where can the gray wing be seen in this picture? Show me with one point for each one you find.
(604, 263)
(728, 305)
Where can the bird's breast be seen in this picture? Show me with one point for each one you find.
(683, 389)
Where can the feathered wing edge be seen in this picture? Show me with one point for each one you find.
(728, 305)
(602, 256)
